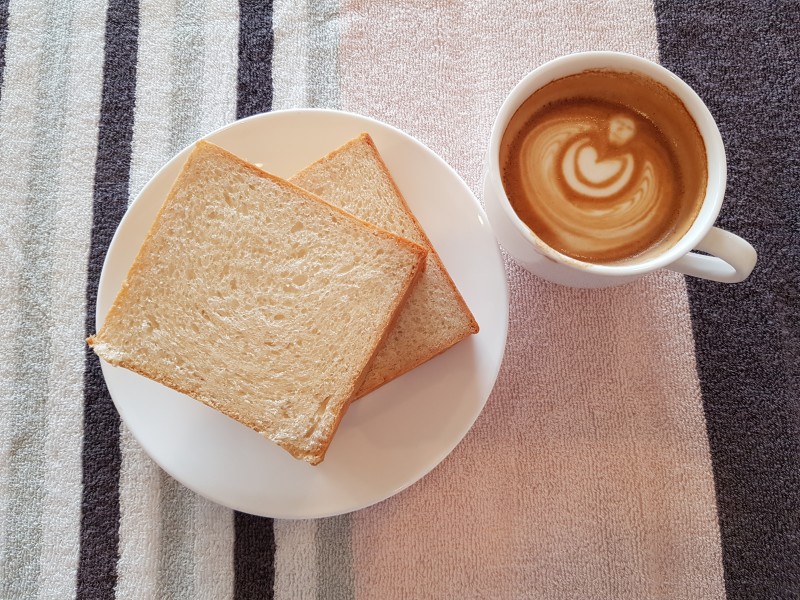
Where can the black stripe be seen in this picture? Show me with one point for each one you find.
(742, 58)
(253, 557)
(256, 39)
(99, 536)
(3, 37)
(254, 542)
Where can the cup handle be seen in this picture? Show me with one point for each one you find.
(732, 261)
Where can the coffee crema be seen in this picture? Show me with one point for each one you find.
(604, 166)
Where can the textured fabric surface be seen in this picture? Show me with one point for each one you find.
(640, 442)
(745, 65)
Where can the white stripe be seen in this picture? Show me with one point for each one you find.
(213, 551)
(23, 56)
(220, 64)
(295, 560)
(73, 219)
(290, 54)
(139, 525)
(151, 132)
(139, 488)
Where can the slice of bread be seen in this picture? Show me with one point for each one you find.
(355, 178)
(259, 299)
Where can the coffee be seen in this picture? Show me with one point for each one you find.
(604, 166)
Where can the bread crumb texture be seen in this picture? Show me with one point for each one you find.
(435, 317)
(258, 300)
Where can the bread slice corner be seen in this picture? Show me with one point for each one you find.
(435, 317)
(260, 300)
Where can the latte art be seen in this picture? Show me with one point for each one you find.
(585, 175)
(596, 179)
(607, 177)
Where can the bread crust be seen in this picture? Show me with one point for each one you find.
(309, 196)
(318, 454)
(433, 255)
(311, 458)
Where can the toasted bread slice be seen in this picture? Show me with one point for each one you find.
(259, 300)
(355, 178)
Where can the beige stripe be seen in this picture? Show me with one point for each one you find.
(28, 318)
(175, 550)
(295, 560)
(154, 72)
(45, 299)
(73, 218)
(588, 475)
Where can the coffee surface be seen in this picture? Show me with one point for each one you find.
(604, 166)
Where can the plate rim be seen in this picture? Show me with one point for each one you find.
(433, 461)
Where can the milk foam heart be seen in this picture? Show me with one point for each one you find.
(584, 174)
(589, 163)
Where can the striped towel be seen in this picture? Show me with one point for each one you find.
(640, 442)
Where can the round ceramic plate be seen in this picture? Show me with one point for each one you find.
(390, 438)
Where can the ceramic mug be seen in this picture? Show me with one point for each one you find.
(731, 258)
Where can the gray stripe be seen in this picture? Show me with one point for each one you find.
(177, 510)
(176, 552)
(335, 579)
(30, 365)
(187, 74)
(323, 55)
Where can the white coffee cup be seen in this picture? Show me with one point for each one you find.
(732, 258)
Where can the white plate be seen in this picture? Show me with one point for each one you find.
(389, 439)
